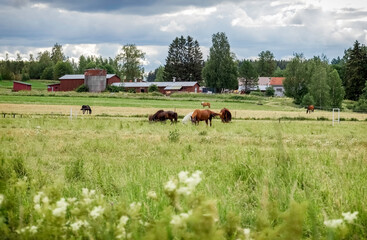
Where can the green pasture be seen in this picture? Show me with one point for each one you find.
(151, 100)
(272, 177)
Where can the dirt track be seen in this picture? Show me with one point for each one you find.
(129, 111)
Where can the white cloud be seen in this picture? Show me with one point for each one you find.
(173, 26)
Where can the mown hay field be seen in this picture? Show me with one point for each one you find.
(276, 179)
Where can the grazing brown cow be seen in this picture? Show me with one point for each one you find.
(86, 108)
(310, 108)
(163, 116)
(203, 115)
(205, 104)
(225, 115)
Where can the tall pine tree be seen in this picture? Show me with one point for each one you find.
(184, 61)
(356, 71)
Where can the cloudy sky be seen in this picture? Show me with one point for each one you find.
(102, 27)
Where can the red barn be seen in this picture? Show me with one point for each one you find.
(21, 86)
(55, 87)
(73, 81)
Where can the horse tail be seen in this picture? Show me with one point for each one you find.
(175, 116)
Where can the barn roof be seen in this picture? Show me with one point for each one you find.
(80, 76)
(23, 83)
(159, 84)
(264, 80)
(170, 88)
(277, 81)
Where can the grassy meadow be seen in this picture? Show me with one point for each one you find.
(274, 172)
(260, 179)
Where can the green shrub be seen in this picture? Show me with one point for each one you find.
(308, 100)
(82, 88)
(25, 77)
(269, 92)
(360, 106)
(153, 88)
(174, 136)
(131, 90)
(111, 88)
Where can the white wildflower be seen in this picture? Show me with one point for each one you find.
(45, 200)
(135, 208)
(180, 220)
(121, 227)
(170, 186)
(75, 226)
(37, 207)
(350, 217)
(194, 180)
(184, 191)
(182, 176)
(334, 223)
(71, 200)
(33, 229)
(78, 224)
(96, 212)
(36, 198)
(246, 232)
(60, 209)
(1, 199)
(123, 220)
(152, 195)
(176, 220)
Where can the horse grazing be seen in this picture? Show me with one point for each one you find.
(187, 118)
(310, 108)
(87, 109)
(225, 115)
(161, 116)
(203, 115)
(205, 104)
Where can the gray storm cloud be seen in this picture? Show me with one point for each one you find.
(283, 27)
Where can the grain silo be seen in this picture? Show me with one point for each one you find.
(95, 79)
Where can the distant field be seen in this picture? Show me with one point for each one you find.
(36, 84)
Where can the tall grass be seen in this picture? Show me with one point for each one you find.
(277, 179)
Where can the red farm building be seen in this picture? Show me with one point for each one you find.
(21, 86)
(71, 82)
(55, 87)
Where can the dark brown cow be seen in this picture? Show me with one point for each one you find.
(310, 108)
(203, 115)
(225, 115)
(163, 116)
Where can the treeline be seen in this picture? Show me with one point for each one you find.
(52, 65)
(307, 80)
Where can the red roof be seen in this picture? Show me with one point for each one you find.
(277, 80)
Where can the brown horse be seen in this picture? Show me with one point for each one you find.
(163, 116)
(310, 108)
(225, 115)
(205, 104)
(203, 115)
